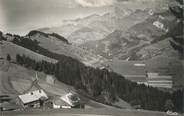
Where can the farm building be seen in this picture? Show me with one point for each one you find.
(32, 99)
(56, 103)
(59, 103)
(67, 101)
(72, 99)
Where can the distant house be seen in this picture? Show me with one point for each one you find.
(72, 99)
(59, 103)
(160, 25)
(67, 101)
(32, 99)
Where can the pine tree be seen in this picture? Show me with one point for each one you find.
(177, 41)
(169, 105)
(8, 57)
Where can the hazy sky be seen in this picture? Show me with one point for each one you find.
(21, 16)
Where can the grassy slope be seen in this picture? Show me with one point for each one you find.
(162, 64)
(56, 46)
(12, 49)
(21, 79)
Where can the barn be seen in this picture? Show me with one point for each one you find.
(32, 99)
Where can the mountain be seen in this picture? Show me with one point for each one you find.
(128, 32)
(122, 16)
(64, 30)
(142, 39)
(126, 18)
(79, 31)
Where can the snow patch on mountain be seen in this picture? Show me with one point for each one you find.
(160, 26)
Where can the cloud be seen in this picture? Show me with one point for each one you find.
(94, 3)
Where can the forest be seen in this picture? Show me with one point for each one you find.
(33, 45)
(106, 87)
(32, 33)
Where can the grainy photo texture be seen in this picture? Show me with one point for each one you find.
(91, 58)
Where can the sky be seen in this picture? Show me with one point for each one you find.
(21, 16)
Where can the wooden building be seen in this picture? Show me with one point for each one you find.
(34, 99)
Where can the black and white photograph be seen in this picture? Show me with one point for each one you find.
(91, 58)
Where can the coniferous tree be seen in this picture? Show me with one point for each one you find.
(1, 34)
(177, 41)
(169, 105)
(8, 58)
(106, 87)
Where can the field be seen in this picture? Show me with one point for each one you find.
(162, 65)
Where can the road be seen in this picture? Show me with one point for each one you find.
(86, 112)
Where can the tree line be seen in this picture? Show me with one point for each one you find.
(32, 33)
(34, 46)
(176, 32)
(106, 87)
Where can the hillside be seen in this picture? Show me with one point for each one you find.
(122, 61)
(78, 31)
(17, 80)
(124, 32)
(124, 15)
(130, 43)
(57, 46)
(7, 47)
(52, 45)
(160, 64)
(101, 85)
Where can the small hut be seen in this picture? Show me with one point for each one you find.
(50, 79)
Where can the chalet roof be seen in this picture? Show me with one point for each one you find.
(60, 102)
(33, 96)
(70, 99)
